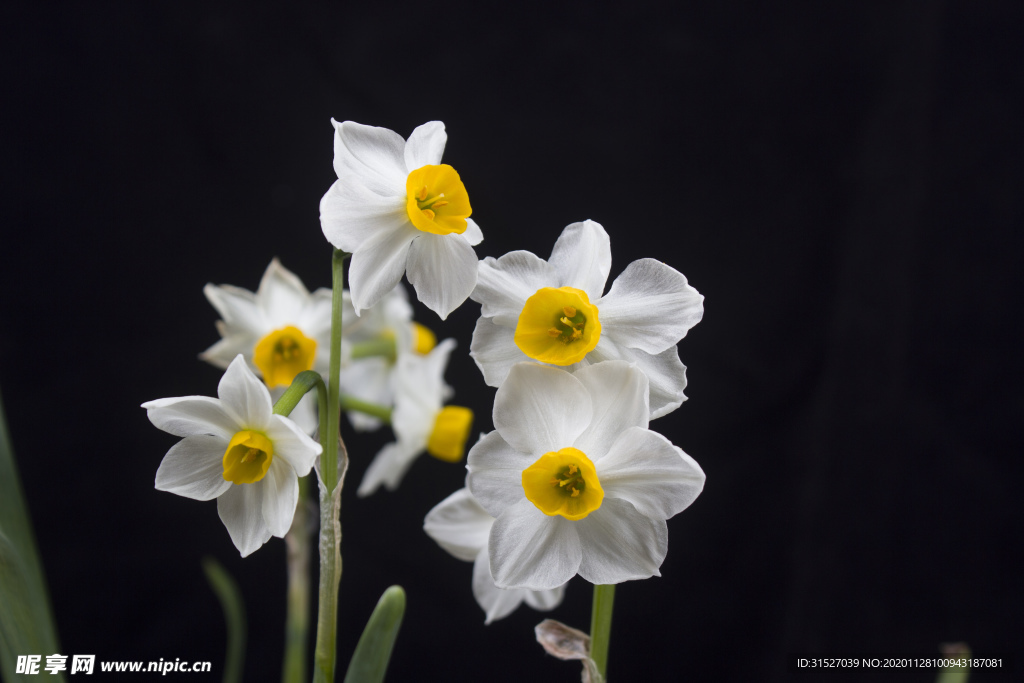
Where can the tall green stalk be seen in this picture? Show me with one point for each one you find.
(331, 471)
(601, 626)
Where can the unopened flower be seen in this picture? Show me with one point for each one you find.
(577, 482)
(555, 312)
(420, 420)
(397, 209)
(461, 526)
(237, 451)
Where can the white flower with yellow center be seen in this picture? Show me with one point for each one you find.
(554, 312)
(281, 330)
(420, 420)
(368, 377)
(397, 209)
(461, 526)
(577, 482)
(237, 451)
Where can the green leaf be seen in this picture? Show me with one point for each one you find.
(26, 618)
(370, 660)
(234, 614)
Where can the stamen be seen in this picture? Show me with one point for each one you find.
(554, 332)
(573, 469)
(566, 322)
(429, 214)
(422, 195)
(250, 455)
(439, 204)
(575, 492)
(569, 311)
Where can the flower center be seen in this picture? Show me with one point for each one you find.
(282, 354)
(563, 483)
(436, 200)
(451, 429)
(558, 326)
(248, 457)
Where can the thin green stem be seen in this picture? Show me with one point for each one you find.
(601, 625)
(330, 499)
(382, 413)
(374, 347)
(303, 382)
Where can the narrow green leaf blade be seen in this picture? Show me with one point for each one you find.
(373, 653)
(234, 615)
(26, 618)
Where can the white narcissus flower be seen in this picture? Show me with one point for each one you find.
(237, 451)
(461, 526)
(553, 312)
(397, 209)
(577, 482)
(420, 420)
(281, 330)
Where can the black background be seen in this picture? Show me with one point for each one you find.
(840, 180)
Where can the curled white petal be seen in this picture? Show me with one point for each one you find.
(497, 603)
(280, 496)
(281, 295)
(650, 306)
(666, 374)
(375, 157)
(474, 235)
(245, 396)
(351, 215)
(292, 444)
(387, 468)
(378, 264)
(194, 468)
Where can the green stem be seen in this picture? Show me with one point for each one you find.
(303, 382)
(374, 347)
(330, 523)
(601, 625)
(382, 413)
(296, 628)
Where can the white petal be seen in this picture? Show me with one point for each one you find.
(376, 156)
(223, 352)
(350, 215)
(644, 468)
(194, 468)
(244, 396)
(419, 389)
(292, 444)
(619, 394)
(666, 374)
(188, 415)
(459, 524)
(583, 257)
(497, 603)
(368, 379)
(494, 350)
(474, 235)
(237, 307)
(280, 496)
(388, 468)
(281, 295)
(650, 307)
(505, 284)
(528, 549)
(442, 268)
(620, 544)
(539, 409)
(378, 265)
(240, 508)
(496, 473)
(545, 600)
(425, 146)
